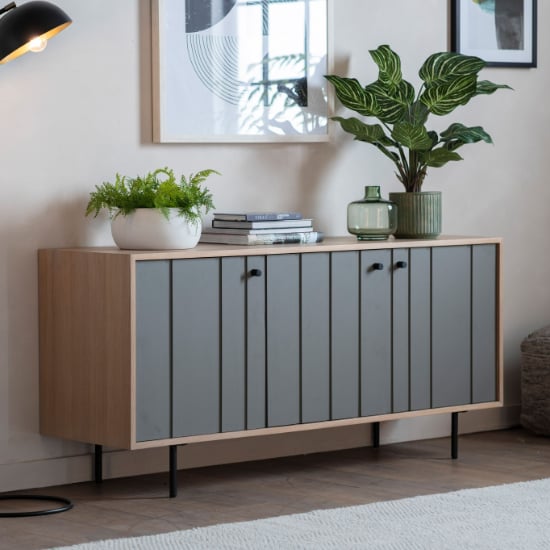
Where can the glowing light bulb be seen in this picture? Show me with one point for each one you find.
(37, 44)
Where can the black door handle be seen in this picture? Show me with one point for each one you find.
(255, 272)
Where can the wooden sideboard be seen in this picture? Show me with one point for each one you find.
(145, 349)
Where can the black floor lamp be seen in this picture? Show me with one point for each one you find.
(23, 29)
(28, 27)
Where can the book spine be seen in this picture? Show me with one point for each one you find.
(286, 238)
(281, 224)
(237, 231)
(258, 217)
(273, 217)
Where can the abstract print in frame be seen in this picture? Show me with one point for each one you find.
(501, 32)
(240, 70)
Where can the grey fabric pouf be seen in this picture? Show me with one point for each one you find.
(535, 381)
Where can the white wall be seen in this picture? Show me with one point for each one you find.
(81, 111)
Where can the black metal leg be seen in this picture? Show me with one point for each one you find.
(98, 463)
(173, 471)
(376, 434)
(454, 435)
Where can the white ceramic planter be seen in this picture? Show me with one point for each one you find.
(148, 229)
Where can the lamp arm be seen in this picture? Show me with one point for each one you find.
(7, 7)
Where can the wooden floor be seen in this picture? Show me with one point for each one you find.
(139, 505)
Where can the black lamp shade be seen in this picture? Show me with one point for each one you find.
(24, 23)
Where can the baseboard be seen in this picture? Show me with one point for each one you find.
(74, 469)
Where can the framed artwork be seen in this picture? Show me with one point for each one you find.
(502, 32)
(240, 70)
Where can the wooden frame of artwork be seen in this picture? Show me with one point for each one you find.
(240, 70)
(502, 32)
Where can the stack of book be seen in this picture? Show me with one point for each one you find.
(250, 228)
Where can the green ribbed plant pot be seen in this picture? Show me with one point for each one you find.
(418, 214)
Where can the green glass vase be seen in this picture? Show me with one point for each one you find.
(372, 218)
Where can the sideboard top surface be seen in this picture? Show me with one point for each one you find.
(330, 244)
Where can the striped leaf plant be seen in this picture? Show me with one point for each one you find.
(448, 81)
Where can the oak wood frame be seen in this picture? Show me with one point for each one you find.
(97, 318)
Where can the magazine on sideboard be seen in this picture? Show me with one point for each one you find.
(256, 216)
(236, 231)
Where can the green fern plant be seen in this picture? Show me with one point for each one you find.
(449, 80)
(159, 189)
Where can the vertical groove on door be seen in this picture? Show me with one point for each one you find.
(301, 342)
(360, 340)
(431, 331)
(409, 331)
(392, 333)
(331, 333)
(171, 340)
(220, 348)
(471, 324)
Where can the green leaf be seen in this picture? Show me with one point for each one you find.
(393, 101)
(443, 99)
(353, 96)
(413, 137)
(438, 157)
(371, 133)
(444, 67)
(389, 65)
(199, 177)
(418, 114)
(434, 137)
(464, 134)
(487, 87)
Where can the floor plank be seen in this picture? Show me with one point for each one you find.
(139, 505)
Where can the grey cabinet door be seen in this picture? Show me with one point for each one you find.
(219, 344)
(196, 380)
(464, 325)
(395, 330)
(153, 357)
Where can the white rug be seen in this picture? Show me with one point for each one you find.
(505, 517)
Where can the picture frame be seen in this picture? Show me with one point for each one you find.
(240, 70)
(501, 32)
